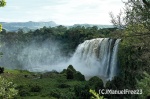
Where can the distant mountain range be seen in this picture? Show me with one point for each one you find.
(27, 26)
(14, 26)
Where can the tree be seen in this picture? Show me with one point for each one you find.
(134, 48)
(7, 89)
(136, 12)
(147, 2)
(0, 27)
(2, 4)
(144, 85)
(118, 21)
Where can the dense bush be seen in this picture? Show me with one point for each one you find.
(24, 93)
(23, 90)
(55, 93)
(7, 89)
(71, 68)
(35, 88)
(79, 76)
(144, 85)
(96, 83)
(68, 95)
(70, 74)
(1, 70)
(63, 85)
(82, 92)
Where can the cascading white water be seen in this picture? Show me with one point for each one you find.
(97, 57)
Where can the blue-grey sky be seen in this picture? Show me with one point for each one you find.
(65, 12)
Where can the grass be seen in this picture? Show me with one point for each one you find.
(50, 85)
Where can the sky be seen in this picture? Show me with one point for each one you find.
(64, 12)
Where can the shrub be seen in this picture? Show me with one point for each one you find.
(68, 95)
(73, 74)
(82, 92)
(70, 74)
(79, 76)
(96, 82)
(115, 83)
(144, 84)
(95, 95)
(7, 89)
(35, 88)
(71, 68)
(23, 90)
(63, 85)
(55, 93)
(1, 70)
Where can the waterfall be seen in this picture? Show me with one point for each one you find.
(97, 57)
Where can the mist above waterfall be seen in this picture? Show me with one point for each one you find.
(43, 56)
(96, 57)
(34, 56)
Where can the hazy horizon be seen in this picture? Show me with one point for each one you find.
(52, 21)
(64, 12)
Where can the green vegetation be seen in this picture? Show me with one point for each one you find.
(95, 95)
(144, 83)
(69, 38)
(49, 85)
(134, 55)
(134, 48)
(1, 70)
(2, 3)
(7, 89)
(0, 27)
(71, 73)
(67, 84)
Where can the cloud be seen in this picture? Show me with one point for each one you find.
(61, 11)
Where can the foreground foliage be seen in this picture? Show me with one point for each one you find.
(96, 95)
(49, 85)
(7, 89)
(134, 48)
(134, 57)
(144, 84)
(2, 4)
